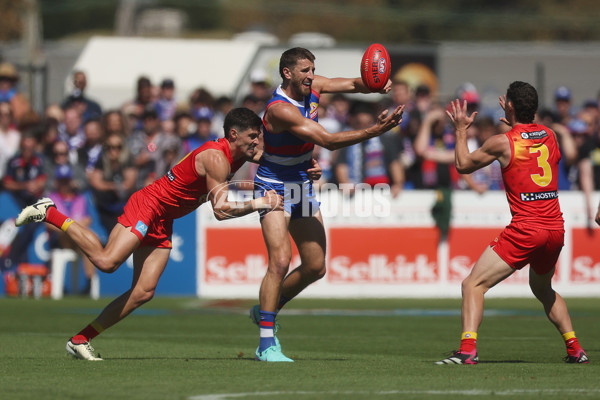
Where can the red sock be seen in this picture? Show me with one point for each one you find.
(573, 346)
(468, 346)
(86, 334)
(55, 217)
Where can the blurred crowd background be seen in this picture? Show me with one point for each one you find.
(77, 147)
(90, 158)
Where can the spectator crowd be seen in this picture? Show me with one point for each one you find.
(78, 149)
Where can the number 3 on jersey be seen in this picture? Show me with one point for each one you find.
(542, 159)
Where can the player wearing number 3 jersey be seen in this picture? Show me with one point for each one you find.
(529, 157)
(531, 176)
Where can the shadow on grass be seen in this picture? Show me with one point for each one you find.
(505, 362)
(212, 359)
(491, 362)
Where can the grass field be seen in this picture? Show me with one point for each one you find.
(185, 348)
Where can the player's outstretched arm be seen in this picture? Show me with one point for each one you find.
(495, 148)
(285, 117)
(216, 168)
(345, 85)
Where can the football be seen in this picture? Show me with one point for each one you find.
(375, 67)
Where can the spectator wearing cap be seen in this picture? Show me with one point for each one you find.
(65, 194)
(59, 159)
(9, 78)
(88, 108)
(199, 136)
(468, 92)
(562, 103)
(260, 89)
(166, 103)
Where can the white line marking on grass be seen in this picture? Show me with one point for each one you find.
(471, 392)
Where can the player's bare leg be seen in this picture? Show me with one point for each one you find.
(554, 305)
(487, 272)
(275, 232)
(558, 313)
(309, 235)
(121, 243)
(148, 265)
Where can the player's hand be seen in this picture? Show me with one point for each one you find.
(503, 105)
(273, 201)
(387, 120)
(459, 116)
(315, 172)
(386, 89)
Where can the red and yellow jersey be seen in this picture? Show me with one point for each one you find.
(181, 190)
(531, 177)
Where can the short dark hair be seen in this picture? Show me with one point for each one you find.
(290, 57)
(242, 119)
(524, 98)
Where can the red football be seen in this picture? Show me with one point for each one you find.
(375, 67)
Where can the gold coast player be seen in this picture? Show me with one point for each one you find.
(529, 156)
(290, 133)
(146, 225)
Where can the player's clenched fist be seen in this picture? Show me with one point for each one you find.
(272, 201)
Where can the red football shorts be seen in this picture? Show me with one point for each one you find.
(519, 245)
(142, 214)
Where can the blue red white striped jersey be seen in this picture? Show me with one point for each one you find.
(286, 157)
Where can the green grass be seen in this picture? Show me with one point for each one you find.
(344, 349)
